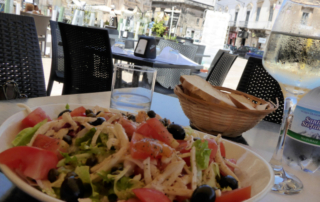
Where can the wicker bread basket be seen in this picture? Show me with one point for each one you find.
(216, 119)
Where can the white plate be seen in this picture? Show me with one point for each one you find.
(254, 170)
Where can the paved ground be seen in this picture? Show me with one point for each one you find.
(231, 81)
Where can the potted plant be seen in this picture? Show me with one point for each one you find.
(158, 28)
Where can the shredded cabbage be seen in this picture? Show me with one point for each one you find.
(202, 154)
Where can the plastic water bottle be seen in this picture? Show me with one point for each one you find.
(8, 7)
(302, 145)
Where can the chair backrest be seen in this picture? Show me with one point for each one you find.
(57, 49)
(169, 75)
(112, 31)
(256, 81)
(189, 51)
(41, 21)
(220, 67)
(201, 49)
(184, 39)
(88, 59)
(20, 58)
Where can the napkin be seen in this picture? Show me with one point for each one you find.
(171, 56)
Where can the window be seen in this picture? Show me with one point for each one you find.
(247, 17)
(258, 13)
(235, 17)
(304, 18)
(198, 20)
(270, 13)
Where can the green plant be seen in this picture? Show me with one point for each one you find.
(173, 38)
(159, 28)
(106, 23)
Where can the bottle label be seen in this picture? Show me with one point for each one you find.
(305, 126)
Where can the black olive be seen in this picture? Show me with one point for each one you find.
(228, 180)
(53, 175)
(131, 117)
(91, 161)
(87, 190)
(203, 193)
(151, 114)
(67, 139)
(64, 111)
(98, 122)
(72, 188)
(164, 122)
(89, 111)
(91, 115)
(177, 131)
(71, 175)
(112, 198)
(116, 168)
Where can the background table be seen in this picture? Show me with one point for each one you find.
(147, 61)
(262, 139)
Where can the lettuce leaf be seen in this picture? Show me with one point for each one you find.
(125, 186)
(87, 137)
(124, 183)
(25, 136)
(84, 174)
(75, 160)
(69, 160)
(105, 176)
(202, 154)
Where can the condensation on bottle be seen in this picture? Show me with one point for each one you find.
(302, 145)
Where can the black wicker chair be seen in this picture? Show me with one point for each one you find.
(256, 81)
(20, 58)
(220, 67)
(182, 39)
(189, 51)
(88, 59)
(200, 50)
(168, 76)
(57, 62)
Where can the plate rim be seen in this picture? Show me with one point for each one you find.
(28, 189)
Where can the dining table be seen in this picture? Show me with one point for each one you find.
(261, 139)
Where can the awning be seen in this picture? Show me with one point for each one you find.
(105, 9)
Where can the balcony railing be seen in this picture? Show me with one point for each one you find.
(255, 24)
(232, 23)
(243, 24)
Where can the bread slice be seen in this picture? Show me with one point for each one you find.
(239, 104)
(199, 88)
(262, 107)
(243, 99)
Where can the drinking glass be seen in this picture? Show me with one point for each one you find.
(292, 57)
(132, 88)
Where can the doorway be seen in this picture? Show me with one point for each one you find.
(230, 42)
